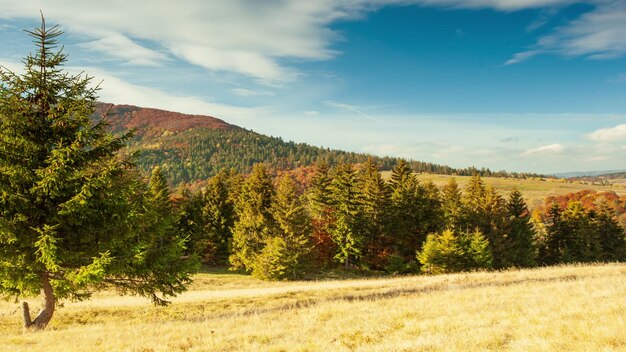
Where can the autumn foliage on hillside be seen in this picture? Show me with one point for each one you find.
(590, 200)
(147, 122)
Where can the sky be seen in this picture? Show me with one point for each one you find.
(520, 85)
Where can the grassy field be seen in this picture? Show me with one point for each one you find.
(534, 190)
(571, 308)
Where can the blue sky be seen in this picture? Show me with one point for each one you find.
(522, 85)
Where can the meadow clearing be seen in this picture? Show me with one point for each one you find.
(566, 308)
(534, 190)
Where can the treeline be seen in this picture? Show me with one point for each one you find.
(199, 153)
(351, 216)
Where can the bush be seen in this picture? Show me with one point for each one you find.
(279, 261)
(448, 252)
(397, 265)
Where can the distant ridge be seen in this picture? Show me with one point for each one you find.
(191, 148)
(587, 173)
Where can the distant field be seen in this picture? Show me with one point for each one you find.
(572, 308)
(534, 190)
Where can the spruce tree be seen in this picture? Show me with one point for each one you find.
(432, 210)
(474, 203)
(159, 198)
(255, 223)
(320, 204)
(160, 192)
(478, 251)
(347, 229)
(286, 254)
(189, 221)
(275, 261)
(452, 205)
(611, 235)
(375, 211)
(551, 247)
(452, 251)
(217, 218)
(400, 172)
(74, 216)
(406, 211)
(442, 253)
(494, 223)
(521, 252)
(207, 218)
(582, 240)
(486, 211)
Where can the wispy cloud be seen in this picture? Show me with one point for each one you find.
(555, 148)
(543, 19)
(257, 39)
(502, 5)
(598, 35)
(620, 78)
(121, 47)
(116, 90)
(250, 38)
(519, 57)
(351, 108)
(609, 134)
(242, 92)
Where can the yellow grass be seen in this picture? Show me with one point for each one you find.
(572, 308)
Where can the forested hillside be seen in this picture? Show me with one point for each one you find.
(194, 147)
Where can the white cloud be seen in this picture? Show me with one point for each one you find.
(598, 34)
(609, 134)
(351, 108)
(503, 5)
(12, 66)
(115, 90)
(519, 57)
(252, 38)
(121, 47)
(242, 92)
(249, 63)
(546, 149)
(246, 37)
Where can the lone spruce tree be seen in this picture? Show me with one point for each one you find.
(74, 216)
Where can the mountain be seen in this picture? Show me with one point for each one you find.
(575, 174)
(196, 147)
(148, 122)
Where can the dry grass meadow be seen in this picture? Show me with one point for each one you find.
(569, 308)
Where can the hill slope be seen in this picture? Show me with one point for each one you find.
(195, 147)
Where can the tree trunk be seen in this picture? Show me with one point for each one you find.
(347, 262)
(47, 309)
